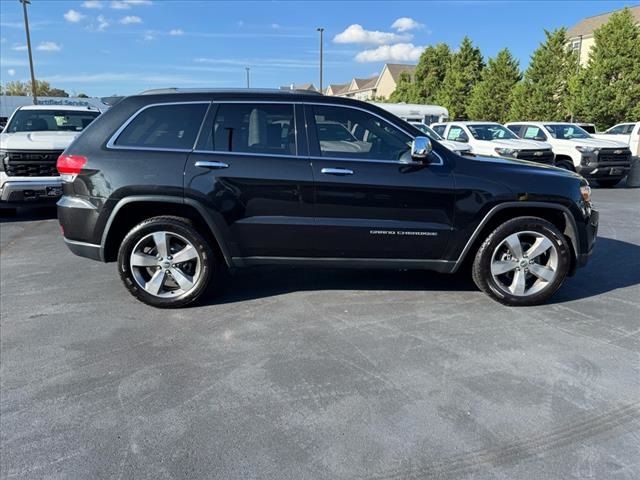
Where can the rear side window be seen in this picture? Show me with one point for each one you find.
(534, 133)
(515, 129)
(164, 126)
(251, 128)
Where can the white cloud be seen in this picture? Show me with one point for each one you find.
(356, 34)
(404, 24)
(49, 47)
(19, 48)
(148, 36)
(118, 5)
(11, 72)
(103, 23)
(176, 32)
(73, 16)
(127, 4)
(92, 4)
(130, 20)
(399, 52)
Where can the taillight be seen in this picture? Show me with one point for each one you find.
(69, 166)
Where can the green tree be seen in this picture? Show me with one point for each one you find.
(431, 70)
(43, 89)
(544, 91)
(607, 91)
(82, 95)
(491, 97)
(463, 73)
(405, 90)
(16, 88)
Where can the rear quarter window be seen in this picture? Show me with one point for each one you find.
(173, 126)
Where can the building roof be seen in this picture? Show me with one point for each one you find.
(303, 86)
(587, 26)
(395, 69)
(338, 87)
(365, 83)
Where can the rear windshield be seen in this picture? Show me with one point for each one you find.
(563, 131)
(50, 121)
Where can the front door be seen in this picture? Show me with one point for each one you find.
(371, 200)
(246, 169)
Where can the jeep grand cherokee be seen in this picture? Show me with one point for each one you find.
(176, 185)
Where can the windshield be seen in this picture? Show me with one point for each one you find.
(427, 130)
(50, 121)
(334, 132)
(490, 131)
(563, 131)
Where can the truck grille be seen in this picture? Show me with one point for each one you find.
(540, 156)
(611, 155)
(31, 163)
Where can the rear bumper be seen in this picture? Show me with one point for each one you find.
(83, 249)
(23, 191)
(591, 232)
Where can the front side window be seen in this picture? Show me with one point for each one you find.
(251, 128)
(164, 126)
(490, 131)
(349, 133)
(439, 129)
(50, 121)
(534, 133)
(457, 134)
(563, 131)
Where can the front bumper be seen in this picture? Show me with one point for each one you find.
(30, 191)
(607, 170)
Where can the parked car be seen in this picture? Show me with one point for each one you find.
(628, 133)
(416, 112)
(176, 186)
(457, 147)
(30, 145)
(605, 161)
(493, 140)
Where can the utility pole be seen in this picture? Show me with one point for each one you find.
(26, 27)
(248, 69)
(321, 30)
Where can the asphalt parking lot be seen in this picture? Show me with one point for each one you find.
(324, 374)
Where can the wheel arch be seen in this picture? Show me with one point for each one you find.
(558, 215)
(130, 211)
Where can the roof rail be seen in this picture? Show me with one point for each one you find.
(160, 91)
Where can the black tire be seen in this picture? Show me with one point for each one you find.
(608, 182)
(208, 263)
(481, 271)
(566, 164)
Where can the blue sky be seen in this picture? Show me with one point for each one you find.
(125, 46)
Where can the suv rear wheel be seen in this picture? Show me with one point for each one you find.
(522, 262)
(165, 262)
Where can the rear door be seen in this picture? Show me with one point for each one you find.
(371, 200)
(251, 170)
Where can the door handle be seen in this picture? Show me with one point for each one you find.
(336, 171)
(211, 165)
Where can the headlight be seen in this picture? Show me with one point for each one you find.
(506, 151)
(582, 149)
(585, 191)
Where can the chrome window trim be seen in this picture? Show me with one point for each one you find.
(111, 142)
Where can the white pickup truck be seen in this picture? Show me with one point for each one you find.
(628, 133)
(605, 161)
(457, 147)
(30, 144)
(493, 140)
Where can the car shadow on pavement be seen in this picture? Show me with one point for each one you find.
(28, 214)
(615, 264)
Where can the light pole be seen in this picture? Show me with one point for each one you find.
(26, 27)
(247, 69)
(321, 30)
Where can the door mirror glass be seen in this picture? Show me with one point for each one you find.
(420, 148)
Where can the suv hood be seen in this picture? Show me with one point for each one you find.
(530, 168)
(37, 140)
(519, 144)
(595, 142)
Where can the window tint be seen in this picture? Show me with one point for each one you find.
(349, 133)
(490, 131)
(617, 130)
(439, 129)
(565, 131)
(534, 133)
(456, 134)
(164, 126)
(50, 120)
(252, 128)
(515, 129)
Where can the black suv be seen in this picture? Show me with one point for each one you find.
(177, 185)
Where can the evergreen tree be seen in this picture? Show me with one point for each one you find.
(608, 90)
(491, 97)
(463, 73)
(544, 92)
(405, 90)
(430, 71)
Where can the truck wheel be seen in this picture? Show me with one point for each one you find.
(566, 164)
(165, 262)
(608, 182)
(522, 262)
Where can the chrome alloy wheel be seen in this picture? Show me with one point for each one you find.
(165, 264)
(524, 263)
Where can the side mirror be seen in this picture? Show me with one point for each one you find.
(420, 148)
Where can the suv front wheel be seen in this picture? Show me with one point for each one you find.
(522, 262)
(165, 262)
